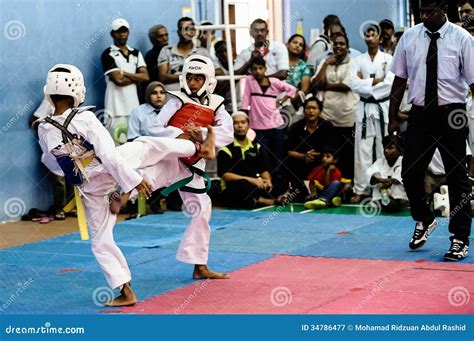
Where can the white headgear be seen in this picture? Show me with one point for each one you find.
(67, 80)
(197, 64)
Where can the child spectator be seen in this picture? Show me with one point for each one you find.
(325, 182)
(385, 175)
(260, 101)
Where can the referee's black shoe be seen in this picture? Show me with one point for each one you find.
(421, 233)
(457, 251)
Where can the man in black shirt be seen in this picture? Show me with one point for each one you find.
(246, 181)
(306, 138)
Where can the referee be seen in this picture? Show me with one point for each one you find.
(437, 57)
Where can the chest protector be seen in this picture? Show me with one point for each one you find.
(195, 113)
(80, 151)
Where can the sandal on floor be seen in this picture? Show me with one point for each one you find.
(60, 215)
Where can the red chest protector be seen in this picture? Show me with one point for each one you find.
(194, 113)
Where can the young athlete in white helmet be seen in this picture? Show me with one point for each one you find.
(75, 142)
(186, 114)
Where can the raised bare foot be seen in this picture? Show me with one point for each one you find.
(117, 200)
(127, 298)
(208, 147)
(203, 272)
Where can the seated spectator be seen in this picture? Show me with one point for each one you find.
(332, 80)
(274, 53)
(325, 182)
(246, 180)
(124, 67)
(171, 58)
(385, 177)
(142, 117)
(306, 139)
(260, 100)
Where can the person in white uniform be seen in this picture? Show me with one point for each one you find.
(186, 114)
(373, 84)
(75, 142)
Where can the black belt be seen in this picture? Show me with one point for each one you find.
(372, 100)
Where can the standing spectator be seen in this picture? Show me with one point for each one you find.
(208, 39)
(246, 180)
(333, 80)
(124, 67)
(299, 74)
(386, 43)
(260, 100)
(466, 9)
(306, 139)
(323, 43)
(373, 84)
(171, 58)
(336, 28)
(158, 35)
(275, 54)
(143, 116)
(468, 24)
(436, 57)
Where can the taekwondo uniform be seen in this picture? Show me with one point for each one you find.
(372, 113)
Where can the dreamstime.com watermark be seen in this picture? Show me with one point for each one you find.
(46, 329)
(191, 297)
(287, 201)
(374, 291)
(22, 286)
(21, 110)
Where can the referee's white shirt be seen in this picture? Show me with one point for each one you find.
(455, 63)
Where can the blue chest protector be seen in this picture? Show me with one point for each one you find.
(72, 164)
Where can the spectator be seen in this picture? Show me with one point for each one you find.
(385, 175)
(246, 180)
(142, 117)
(386, 43)
(124, 67)
(260, 100)
(325, 182)
(396, 38)
(158, 35)
(336, 28)
(323, 43)
(466, 9)
(306, 140)
(333, 79)
(208, 39)
(171, 58)
(373, 84)
(299, 74)
(468, 24)
(275, 54)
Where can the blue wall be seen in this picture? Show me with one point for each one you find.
(351, 12)
(36, 34)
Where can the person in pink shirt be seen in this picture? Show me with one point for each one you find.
(262, 103)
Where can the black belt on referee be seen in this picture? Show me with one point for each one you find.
(372, 100)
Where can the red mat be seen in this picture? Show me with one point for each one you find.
(307, 285)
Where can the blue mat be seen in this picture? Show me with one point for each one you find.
(64, 273)
(378, 247)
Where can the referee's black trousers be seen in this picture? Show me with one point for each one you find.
(445, 128)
